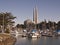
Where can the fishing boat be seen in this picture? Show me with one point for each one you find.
(33, 34)
(58, 32)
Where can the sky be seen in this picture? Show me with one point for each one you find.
(23, 9)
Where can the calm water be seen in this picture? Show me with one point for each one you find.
(39, 41)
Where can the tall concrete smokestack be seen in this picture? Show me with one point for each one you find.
(35, 15)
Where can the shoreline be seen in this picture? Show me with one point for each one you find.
(6, 39)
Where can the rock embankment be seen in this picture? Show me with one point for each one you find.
(6, 39)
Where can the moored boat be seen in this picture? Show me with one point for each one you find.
(34, 34)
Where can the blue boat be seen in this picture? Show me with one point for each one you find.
(58, 32)
(34, 34)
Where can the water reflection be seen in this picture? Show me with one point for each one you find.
(39, 41)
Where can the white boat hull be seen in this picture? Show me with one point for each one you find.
(34, 36)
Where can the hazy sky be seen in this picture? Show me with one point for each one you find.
(23, 9)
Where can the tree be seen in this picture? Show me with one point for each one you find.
(20, 26)
(58, 25)
(6, 19)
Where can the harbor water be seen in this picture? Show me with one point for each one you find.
(38, 41)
